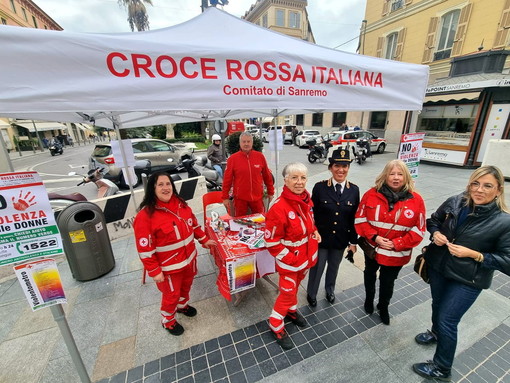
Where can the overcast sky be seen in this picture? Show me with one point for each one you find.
(335, 23)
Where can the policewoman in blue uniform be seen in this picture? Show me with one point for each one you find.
(335, 203)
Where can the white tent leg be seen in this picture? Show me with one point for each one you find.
(118, 125)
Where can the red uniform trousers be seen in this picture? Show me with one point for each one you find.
(286, 302)
(175, 292)
(241, 206)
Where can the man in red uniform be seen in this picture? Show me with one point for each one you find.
(247, 172)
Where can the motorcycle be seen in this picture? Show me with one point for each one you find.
(361, 150)
(199, 166)
(56, 148)
(105, 188)
(318, 151)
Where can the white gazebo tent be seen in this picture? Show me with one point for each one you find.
(213, 66)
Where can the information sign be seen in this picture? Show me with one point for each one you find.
(40, 281)
(27, 225)
(410, 151)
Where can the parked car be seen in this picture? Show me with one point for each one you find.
(308, 135)
(270, 130)
(349, 137)
(287, 137)
(256, 132)
(161, 155)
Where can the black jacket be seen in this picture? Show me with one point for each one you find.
(334, 216)
(486, 229)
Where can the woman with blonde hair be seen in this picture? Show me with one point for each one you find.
(471, 239)
(391, 219)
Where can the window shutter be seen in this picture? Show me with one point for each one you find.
(386, 7)
(429, 42)
(458, 41)
(503, 27)
(378, 52)
(400, 44)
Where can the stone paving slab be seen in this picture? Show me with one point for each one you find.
(339, 341)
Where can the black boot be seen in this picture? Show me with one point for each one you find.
(369, 278)
(384, 313)
(369, 305)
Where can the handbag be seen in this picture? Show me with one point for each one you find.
(370, 250)
(420, 266)
(367, 248)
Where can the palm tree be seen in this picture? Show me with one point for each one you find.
(137, 14)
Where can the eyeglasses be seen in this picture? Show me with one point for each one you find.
(477, 185)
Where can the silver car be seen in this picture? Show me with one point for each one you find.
(151, 155)
(308, 135)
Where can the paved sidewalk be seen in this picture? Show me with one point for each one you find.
(115, 322)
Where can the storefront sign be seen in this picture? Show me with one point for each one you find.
(452, 157)
(410, 150)
(27, 225)
(467, 85)
(41, 283)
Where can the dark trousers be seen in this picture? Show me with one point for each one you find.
(450, 301)
(332, 257)
(387, 277)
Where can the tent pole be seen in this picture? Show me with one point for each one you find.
(277, 159)
(5, 163)
(117, 124)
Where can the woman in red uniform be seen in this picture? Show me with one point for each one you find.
(292, 238)
(391, 216)
(165, 230)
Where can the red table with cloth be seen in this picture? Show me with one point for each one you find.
(238, 264)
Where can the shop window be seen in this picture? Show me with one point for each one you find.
(449, 23)
(339, 118)
(4, 22)
(391, 46)
(294, 19)
(300, 119)
(317, 119)
(448, 124)
(378, 120)
(280, 17)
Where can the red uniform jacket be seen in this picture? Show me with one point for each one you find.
(374, 218)
(288, 235)
(247, 173)
(165, 239)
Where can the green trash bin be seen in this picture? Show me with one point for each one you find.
(86, 241)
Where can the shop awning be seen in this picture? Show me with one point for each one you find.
(452, 97)
(42, 126)
(268, 119)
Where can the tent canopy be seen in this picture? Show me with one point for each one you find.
(213, 66)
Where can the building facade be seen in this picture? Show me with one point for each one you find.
(464, 43)
(18, 134)
(289, 17)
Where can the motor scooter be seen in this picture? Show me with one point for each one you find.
(105, 188)
(318, 151)
(56, 148)
(198, 166)
(361, 150)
